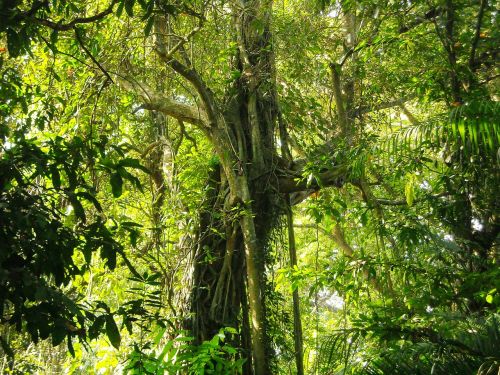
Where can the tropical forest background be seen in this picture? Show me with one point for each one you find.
(249, 186)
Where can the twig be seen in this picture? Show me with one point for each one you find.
(80, 41)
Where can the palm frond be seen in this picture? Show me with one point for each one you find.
(472, 129)
(337, 352)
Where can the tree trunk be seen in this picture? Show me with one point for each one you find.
(297, 322)
(231, 241)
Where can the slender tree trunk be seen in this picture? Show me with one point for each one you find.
(254, 262)
(297, 322)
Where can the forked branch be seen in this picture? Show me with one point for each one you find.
(187, 71)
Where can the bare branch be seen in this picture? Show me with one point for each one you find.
(185, 134)
(70, 25)
(477, 34)
(188, 72)
(205, 93)
(82, 44)
(167, 55)
(157, 102)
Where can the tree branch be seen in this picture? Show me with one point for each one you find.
(205, 93)
(188, 72)
(361, 110)
(82, 44)
(339, 100)
(166, 56)
(413, 120)
(293, 181)
(429, 15)
(70, 25)
(157, 102)
(477, 34)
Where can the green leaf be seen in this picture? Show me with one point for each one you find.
(90, 198)
(133, 163)
(159, 335)
(461, 129)
(58, 334)
(112, 331)
(133, 235)
(56, 176)
(77, 207)
(129, 7)
(14, 44)
(54, 35)
(410, 188)
(108, 252)
(71, 350)
(166, 349)
(119, 10)
(149, 26)
(169, 8)
(116, 184)
(96, 327)
(130, 224)
(490, 295)
(129, 265)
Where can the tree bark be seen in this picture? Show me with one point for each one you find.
(297, 322)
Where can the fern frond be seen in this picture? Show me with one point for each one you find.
(474, 351)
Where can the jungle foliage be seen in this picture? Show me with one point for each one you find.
(249, 186)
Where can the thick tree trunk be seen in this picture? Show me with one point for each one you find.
(218, 269)
(228, 249)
